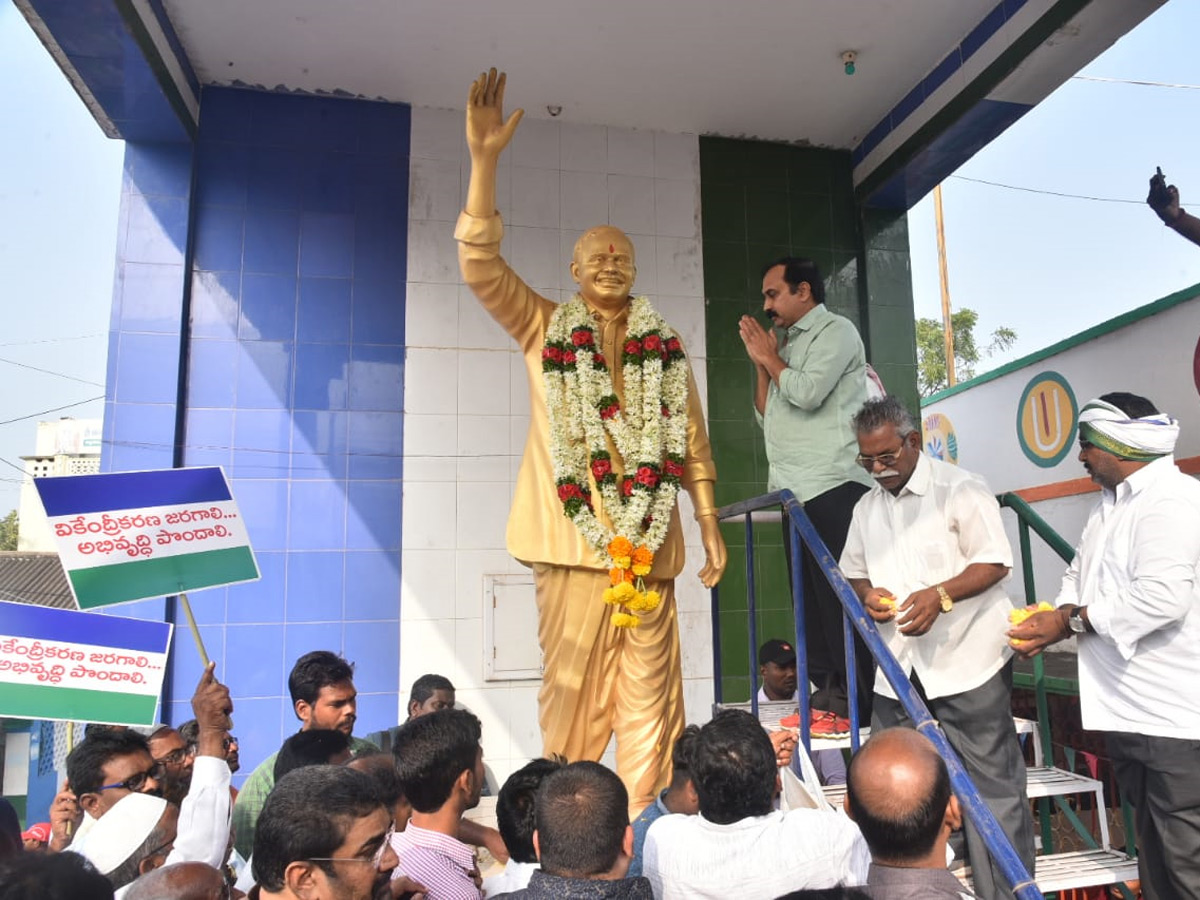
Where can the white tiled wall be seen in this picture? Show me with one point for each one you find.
(466, 396)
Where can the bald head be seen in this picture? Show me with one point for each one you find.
(184, 881)
(898, 791)
(603, 236)
(603, 266)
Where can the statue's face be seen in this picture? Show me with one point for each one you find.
(604, 267)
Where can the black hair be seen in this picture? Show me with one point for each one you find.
(582, 814)
(424, 687)
(307, 815)
(1133, 405)
(52, 876)
(314, 747)
(733, 768)
(798, 269)
(10, 831)
(516, 807)
(162, 833)
(681, 756)
(897, 832)
(432, 752)
(85, 764)
(381, 768)
(190, 732)
(314, 671)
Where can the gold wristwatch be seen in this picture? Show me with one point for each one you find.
(947, 603)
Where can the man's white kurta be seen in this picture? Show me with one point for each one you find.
(942, 521)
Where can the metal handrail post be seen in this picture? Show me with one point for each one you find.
(796, 552)
(751, 609)
(851, 682)
(1039, 682)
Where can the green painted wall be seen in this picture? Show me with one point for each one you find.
(761, 201)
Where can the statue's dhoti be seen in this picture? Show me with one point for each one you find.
(598, 679)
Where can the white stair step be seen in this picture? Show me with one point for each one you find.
(1084, 868)
(1077, 869)
(835, 794)
(1042, 782)
(1047, 781)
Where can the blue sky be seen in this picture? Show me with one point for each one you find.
(1049, 267)
(60, 184)
(1045, 266)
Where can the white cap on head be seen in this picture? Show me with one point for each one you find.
(121, 830)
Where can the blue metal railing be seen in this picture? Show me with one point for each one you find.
(855, 618)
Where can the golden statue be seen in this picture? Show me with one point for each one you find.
(608, 380)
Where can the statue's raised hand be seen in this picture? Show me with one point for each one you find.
(487, 131)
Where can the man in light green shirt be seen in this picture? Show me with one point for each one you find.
(323, 695)
(810, 382)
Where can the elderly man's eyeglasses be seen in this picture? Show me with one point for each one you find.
(137, 781)
(374, 859)
(227, 742)
(175, 757)
(887, 460)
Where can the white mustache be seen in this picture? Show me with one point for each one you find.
(886, 473)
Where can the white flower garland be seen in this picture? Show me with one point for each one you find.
(649, 431)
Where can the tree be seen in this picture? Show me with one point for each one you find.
(931, 349)
(8, 531)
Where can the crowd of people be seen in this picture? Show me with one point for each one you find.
(147, 818)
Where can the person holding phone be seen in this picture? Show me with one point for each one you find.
(1164, 200)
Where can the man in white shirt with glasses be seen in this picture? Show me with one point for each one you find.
(926, 554)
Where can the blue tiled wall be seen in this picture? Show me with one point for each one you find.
(295, 372)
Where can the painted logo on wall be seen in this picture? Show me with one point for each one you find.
(1196, 367)
(937, 434)
(1046, 419)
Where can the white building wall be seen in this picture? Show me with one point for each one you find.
(63, 447)
(466, 394)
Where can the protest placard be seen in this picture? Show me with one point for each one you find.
(63, 664)
(133, 535)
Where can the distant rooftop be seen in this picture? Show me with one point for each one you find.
(35, 578)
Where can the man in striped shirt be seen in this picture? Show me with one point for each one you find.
(440, 762)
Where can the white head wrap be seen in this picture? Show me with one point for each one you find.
(121, 830)
(1110, 428)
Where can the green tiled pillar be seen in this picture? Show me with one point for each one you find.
(891, 332)
(761, 201)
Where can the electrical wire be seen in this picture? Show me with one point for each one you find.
(55, 409)
(1029, 190)
(1189, 87)
(13, 465)
(74, 337)
(13, 362)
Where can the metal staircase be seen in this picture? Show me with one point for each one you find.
(1052, 787)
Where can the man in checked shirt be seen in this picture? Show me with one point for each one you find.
(440, 762)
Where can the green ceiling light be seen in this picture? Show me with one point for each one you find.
(849, 57)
